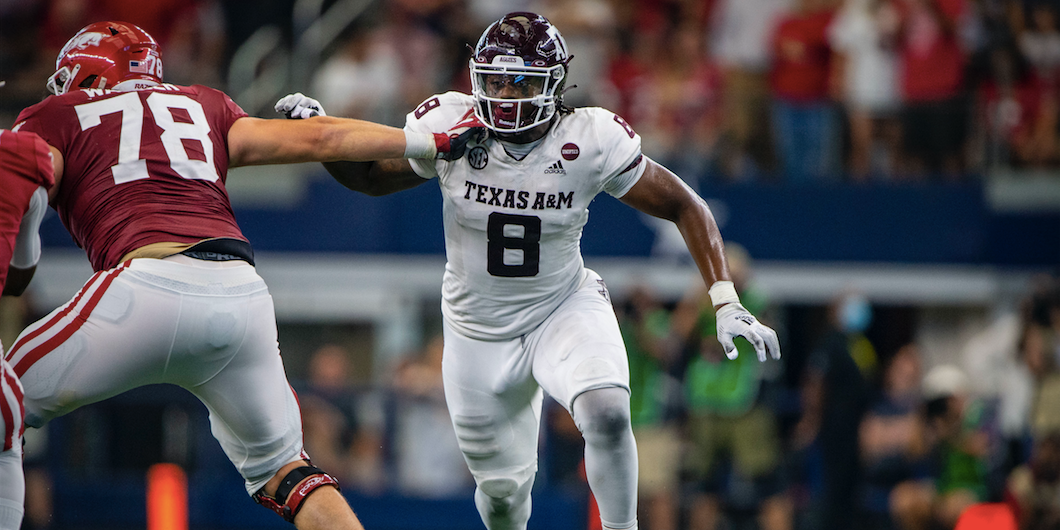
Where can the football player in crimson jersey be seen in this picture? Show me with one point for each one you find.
(521, 311)
(140, 167)
(25, 176)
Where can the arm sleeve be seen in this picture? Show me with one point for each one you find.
(27, 243)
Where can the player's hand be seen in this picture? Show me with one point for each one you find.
(453, 143)
(735, 321)
(299, 106)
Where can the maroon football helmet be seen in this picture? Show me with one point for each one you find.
(517, 72)
(105, 55)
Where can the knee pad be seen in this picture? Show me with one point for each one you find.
(504, 500)
(603, 413)
(499, 488)
(288, 499)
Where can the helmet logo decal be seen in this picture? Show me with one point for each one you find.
(478, 157)
(80, 42)
(570, 151)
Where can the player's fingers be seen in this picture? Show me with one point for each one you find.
(284, 104)
(290, 102)
(727, 344)
(755, 339)
(773, 343)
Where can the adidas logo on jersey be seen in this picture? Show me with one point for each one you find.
(556, 169)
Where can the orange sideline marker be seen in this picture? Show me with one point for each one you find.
(167, 498)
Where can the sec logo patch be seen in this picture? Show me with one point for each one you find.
(478, 157)
(570, 151)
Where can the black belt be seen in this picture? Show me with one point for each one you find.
(222, 249)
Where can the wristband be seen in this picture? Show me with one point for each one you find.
(419, 145)
(723, 292)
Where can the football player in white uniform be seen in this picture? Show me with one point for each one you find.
(522, 314)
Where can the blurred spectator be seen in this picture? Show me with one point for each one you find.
(363, 78)
(958, 426)
(740, 34)
(805, 119)
(1035, 486)
(666, 86)
(931, 73)
(894, 451)
(1040, 350)
(862, 37)
(630, 70)
(331, 426)
(834, 396)
(428, 462)
(1020, 112)
(993, 360)
(1040, 43)
(654, 397)
(431, 38)
(734, 458)
(195, 44)
(687, 89)
(589, 27)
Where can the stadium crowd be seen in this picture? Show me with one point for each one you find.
(853, 435)
(720, 90)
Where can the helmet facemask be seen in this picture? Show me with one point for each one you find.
(518, 69)
(59, 83)
(512, 97)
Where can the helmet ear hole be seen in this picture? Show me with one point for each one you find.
(88, 81)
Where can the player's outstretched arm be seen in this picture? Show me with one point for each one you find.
(376, 178)
(256, 141)
(662, 194)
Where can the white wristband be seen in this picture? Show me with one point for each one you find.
(420, 145)
(723, 292)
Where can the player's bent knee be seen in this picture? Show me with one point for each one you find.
(603, 413)
(504, 497)
(295, 487)
(499, 488)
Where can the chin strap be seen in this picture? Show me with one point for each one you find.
(291, 496)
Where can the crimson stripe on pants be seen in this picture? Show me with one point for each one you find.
(35, 354)
(11, 433)
(55, 319)
(17, 388)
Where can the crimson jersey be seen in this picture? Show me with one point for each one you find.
(25, 165)
(141, 167)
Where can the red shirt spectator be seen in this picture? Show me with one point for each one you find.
(802, 58)
(932, 61)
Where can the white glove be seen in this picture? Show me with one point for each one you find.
(299, 106)
(735, 321)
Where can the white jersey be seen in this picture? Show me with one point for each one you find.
(513, 227)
